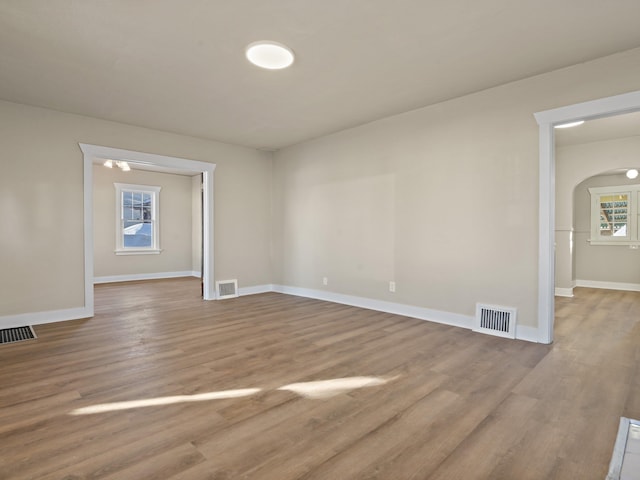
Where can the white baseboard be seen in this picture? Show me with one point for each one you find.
(629, 287)
(254, 290)
(420, 313)
(526, 333)
(564, 292)
(143, 276)
(40, 318)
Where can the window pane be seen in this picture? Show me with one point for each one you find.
(619, 229)
(137, 227)
(137, 199)
(137, 234)
(136, 231)
(127, 199)
(614, 210)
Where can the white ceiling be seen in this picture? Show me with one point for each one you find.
(600, 129)
(179, 66)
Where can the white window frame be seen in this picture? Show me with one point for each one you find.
(154, 249)
(632, 237)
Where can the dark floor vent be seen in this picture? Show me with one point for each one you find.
(17, 334)
(499, 321)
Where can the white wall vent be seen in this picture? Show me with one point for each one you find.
(495, 320)
(227, 289)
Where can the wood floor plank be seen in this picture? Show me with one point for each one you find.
(390, 437)
(258, 387)
(338, 429)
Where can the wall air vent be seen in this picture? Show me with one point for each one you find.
(494, 320)
(227, 289)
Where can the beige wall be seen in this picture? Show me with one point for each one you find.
(175, 221)
(603, 263)
(574, 164)
(442, 200)
(41, 195)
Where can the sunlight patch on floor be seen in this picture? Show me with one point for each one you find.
(159, 401)
(333, 387)
(315, 390)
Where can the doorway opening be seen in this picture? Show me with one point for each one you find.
(96, 153)
(601, 152)
(604, 107)
(605, 205)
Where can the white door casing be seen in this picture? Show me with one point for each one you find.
(93, 153)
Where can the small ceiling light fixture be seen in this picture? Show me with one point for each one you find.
(569, 125)
(632, 173)
(124, 166)
(269, 55)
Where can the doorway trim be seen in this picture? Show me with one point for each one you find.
(97, 153)
(604, 107)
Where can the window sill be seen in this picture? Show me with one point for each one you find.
(620, 242)
(132, 251)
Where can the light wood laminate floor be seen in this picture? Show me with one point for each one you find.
(162, 385)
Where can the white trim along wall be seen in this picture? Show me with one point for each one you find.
(523, 332)
(526, 333)
(564, 292)
(143, 276)
(628, 287)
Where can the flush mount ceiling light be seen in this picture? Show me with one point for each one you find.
(124, 166)
(570, 124)
(269, 55)
(632, 173)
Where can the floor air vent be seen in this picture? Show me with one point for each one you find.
(18, 334)
(500, 321)
(227, 289)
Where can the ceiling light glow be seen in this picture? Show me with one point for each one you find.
(124, 166)
(632, 173)
(269, 55)
(570, 124)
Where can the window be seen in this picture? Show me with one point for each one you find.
(137, 219)
(614, 215)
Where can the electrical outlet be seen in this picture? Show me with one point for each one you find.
(325, 281)
(392, 287)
